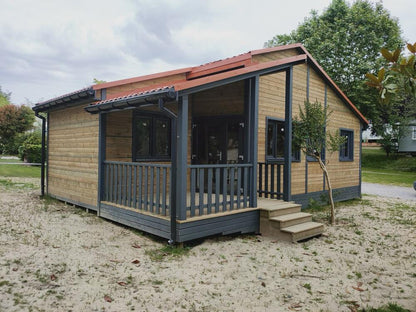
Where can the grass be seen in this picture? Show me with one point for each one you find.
(391, 307)
(394, 170)
(18, 170)
(168, 252)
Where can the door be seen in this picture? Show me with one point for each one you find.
(218, 140)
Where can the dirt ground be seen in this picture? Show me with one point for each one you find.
(56, 257)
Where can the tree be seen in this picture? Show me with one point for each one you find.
(14, 120)
(311, 136)
(98, 81)
(4, 98)
(396, 86)
(346, 40)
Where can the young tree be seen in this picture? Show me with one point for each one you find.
(346, 40)
(4, 98)
(311, 136)
(396, 85)
(14, 120)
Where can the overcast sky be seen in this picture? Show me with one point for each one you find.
(52, 47)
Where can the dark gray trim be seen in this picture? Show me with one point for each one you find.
(340, 194)
(308, 70)
(245, 222)
(74, 202)
(43, 154)
(182, 155)
(82, 96)
(288, 136)
(350, 146)
(306, 174)
(252, 141)
(361, 155)
(137, 220)
(102, 121)
(47, 153)
(323, 152)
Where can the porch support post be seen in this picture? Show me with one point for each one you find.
(101, 158)
(182, 157)
(253, 105)
(288, 136)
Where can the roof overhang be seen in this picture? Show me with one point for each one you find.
(82, 96)
(134, 100)
(171, 93)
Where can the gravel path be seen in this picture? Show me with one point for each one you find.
(401, 192)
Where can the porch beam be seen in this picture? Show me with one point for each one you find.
(288, 136)
(182, 157)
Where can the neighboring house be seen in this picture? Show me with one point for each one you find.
(407, 144)
(189, 153)
(370, 139)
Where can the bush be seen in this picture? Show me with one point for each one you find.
(31, 148)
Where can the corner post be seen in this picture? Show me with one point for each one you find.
(102, 120)
(253, 101)
(182, 157)
(288, 136)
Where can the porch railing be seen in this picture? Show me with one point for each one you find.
(218, 188)
(146, 187)
(270, 180)
(142, 186)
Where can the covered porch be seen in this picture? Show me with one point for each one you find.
(205, 178)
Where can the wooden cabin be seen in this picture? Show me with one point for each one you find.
(202, 150)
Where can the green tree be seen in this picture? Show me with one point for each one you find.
(396, 86)
(346, 40)
(14, 120)
(311, 136)
(4, 98)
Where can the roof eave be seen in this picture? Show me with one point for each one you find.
(132, 101)
(75, 98)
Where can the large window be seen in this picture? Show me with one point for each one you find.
(151, 137)
(275, 141)
(346, 151)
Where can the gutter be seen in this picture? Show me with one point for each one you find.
(42, 162)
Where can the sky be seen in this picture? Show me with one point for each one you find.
(52, 47)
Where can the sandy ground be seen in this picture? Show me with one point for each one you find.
(56, 257)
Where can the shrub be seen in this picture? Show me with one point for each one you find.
(31, 149)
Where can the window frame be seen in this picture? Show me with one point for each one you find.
(295, 156)
(349, 133)
(152, 156)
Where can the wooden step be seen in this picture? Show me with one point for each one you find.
(284, 221)
(278, 209)
(304, 230)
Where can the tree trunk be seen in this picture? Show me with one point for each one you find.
(328, 181)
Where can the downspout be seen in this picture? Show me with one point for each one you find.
(42, 161)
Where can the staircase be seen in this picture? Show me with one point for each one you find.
(285, 221)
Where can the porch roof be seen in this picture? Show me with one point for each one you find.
(151, 94)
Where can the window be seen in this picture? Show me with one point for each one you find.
(346, 150)
(151, 137)
(275, 141)
(414, 133)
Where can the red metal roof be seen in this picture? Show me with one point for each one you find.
(216, 71)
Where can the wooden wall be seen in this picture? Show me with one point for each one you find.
(73, 155)
(306, 175)
(119, 136)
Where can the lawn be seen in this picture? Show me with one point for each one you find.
(18, 169)
(395, 170)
